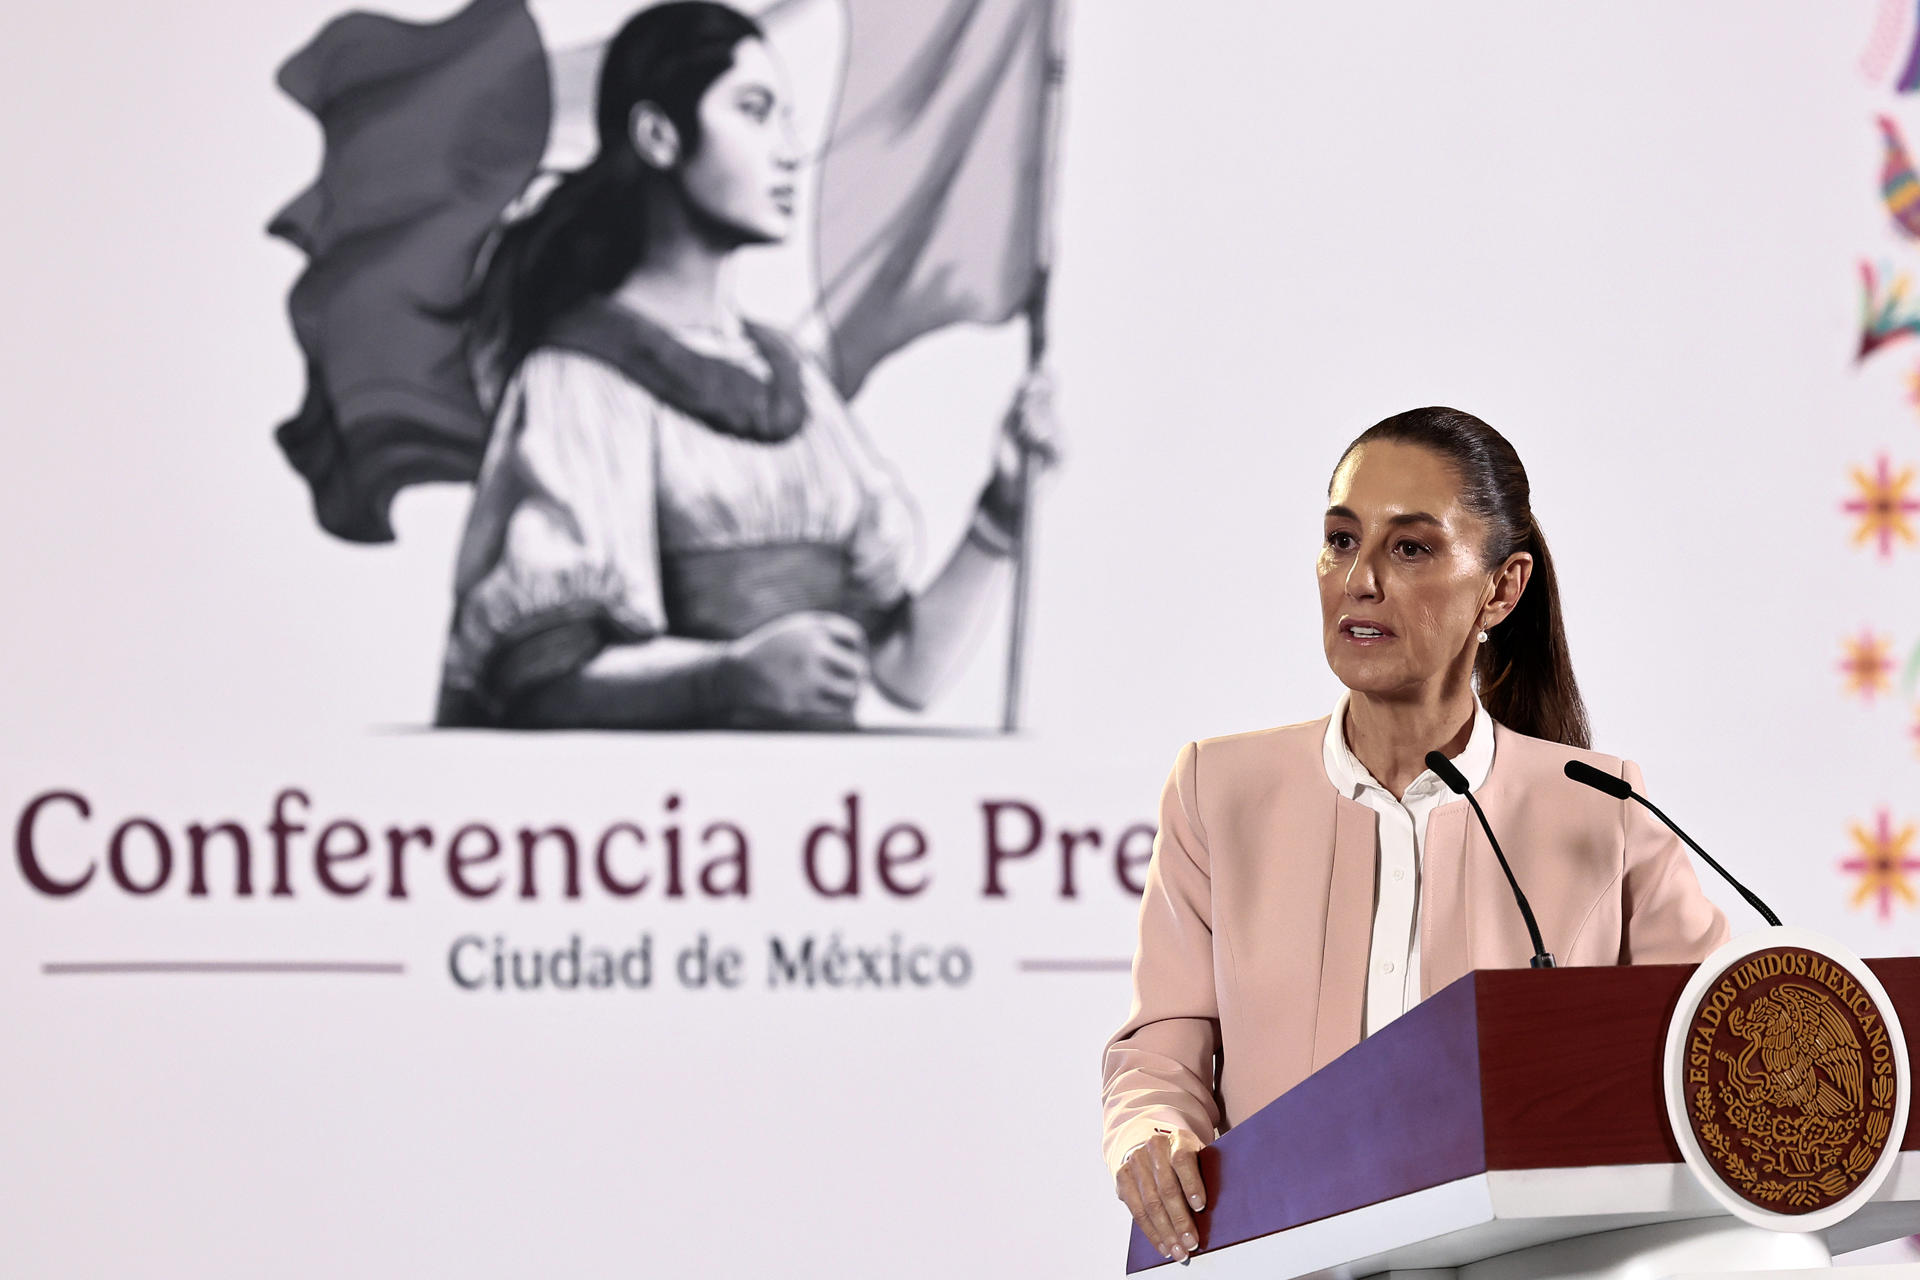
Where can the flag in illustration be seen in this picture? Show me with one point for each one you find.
(934, 185)
(430, 132)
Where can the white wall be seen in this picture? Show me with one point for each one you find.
(1625, 234)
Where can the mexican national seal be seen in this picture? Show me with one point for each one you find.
(1790, 1079)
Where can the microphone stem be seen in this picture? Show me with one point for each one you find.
(1541, 959)
(1752, 901)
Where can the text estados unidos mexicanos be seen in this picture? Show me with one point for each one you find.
(61, 849)
(1829, 974)
(809, 961)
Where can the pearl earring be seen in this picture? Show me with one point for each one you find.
(1483, 637)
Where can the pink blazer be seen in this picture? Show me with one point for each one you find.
(1258, 913)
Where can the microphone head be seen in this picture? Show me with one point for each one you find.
(1443, 769)
(1581, 771)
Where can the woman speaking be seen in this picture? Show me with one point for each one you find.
(1310, 883)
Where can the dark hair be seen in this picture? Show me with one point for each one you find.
(589, 233)
(1525, 675)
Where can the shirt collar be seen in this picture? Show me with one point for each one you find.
(1350, 777)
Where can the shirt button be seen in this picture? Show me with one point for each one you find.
(1387, 967)
(1399, 874)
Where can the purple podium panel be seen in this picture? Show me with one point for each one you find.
(1397, 1113)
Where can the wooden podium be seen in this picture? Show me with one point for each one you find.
(1514, 1109)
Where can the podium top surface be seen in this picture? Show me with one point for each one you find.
(1504, 1070)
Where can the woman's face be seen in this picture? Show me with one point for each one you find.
(741, 176)
(1402, 589)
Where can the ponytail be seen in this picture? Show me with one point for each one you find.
(581, 241)
(1524, 671)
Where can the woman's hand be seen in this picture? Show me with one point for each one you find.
(1029, 429)
(800, 667)
(1029, 441)
(1160, 1181)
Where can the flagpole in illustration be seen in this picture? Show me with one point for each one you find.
(1036, 353)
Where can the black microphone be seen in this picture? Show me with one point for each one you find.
(1457, 782)
(1618, 788)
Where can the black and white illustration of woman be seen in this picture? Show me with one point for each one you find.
(677, 522)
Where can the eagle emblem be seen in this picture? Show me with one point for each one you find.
(1790, 1090)
(1810, 1060)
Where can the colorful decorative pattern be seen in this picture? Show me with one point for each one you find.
(1885, 499)
(1884, 314)
(1885, 43)
(1885, 860)
(1910, 74)
(1868, 665)
(1883, 506)
(1899, 187)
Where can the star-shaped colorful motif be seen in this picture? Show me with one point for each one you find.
(1884, 861)
(1883, 505)
(1868, 665)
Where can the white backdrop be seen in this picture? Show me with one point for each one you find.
(1625, 234)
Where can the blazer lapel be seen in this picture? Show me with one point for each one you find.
(1444, 926)
(1349, 932)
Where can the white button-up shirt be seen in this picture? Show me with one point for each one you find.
(1393, 961)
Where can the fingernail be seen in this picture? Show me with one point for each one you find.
(1196, 1202)
(1189, 1241)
